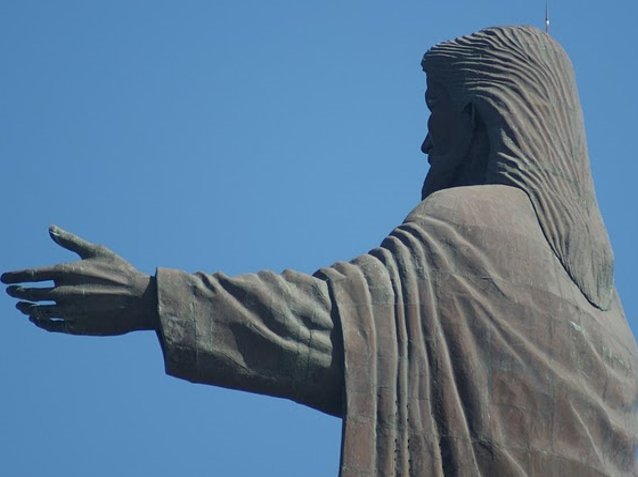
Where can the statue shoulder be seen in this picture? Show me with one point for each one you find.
(495, 205)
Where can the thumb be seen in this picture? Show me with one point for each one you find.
(72, 242)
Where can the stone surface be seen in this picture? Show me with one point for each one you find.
(482, 337)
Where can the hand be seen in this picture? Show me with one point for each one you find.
(102, 294)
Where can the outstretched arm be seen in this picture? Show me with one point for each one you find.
(265, 333)
(101, 294)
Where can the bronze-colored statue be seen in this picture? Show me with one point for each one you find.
(484, 336)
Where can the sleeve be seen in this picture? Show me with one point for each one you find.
(266, 333)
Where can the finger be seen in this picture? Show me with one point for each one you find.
(32, 275)
(33, 294)
(55, 326)
(91, 298)
(67, 312)
(72, 242)
(40, 311)
(49, 317)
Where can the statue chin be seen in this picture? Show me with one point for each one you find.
(439, 177)
(428, 187)
(463, 167)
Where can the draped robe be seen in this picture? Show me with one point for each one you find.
(459, 347)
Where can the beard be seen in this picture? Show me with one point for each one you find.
(440, 176)
(458, 169)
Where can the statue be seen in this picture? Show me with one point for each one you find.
(483, 336)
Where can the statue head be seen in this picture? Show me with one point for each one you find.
(456, 144)
(510, 95)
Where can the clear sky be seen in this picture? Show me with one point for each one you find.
(234, 136)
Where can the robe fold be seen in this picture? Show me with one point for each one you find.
(459, 347)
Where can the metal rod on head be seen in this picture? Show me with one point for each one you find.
(546, 16)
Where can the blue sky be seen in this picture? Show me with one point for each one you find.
(234, 136)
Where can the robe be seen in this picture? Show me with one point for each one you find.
(459, 347)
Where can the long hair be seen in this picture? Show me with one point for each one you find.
(522, 84)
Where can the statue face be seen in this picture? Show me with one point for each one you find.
(448, 140)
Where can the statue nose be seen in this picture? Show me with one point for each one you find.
(427, 145)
